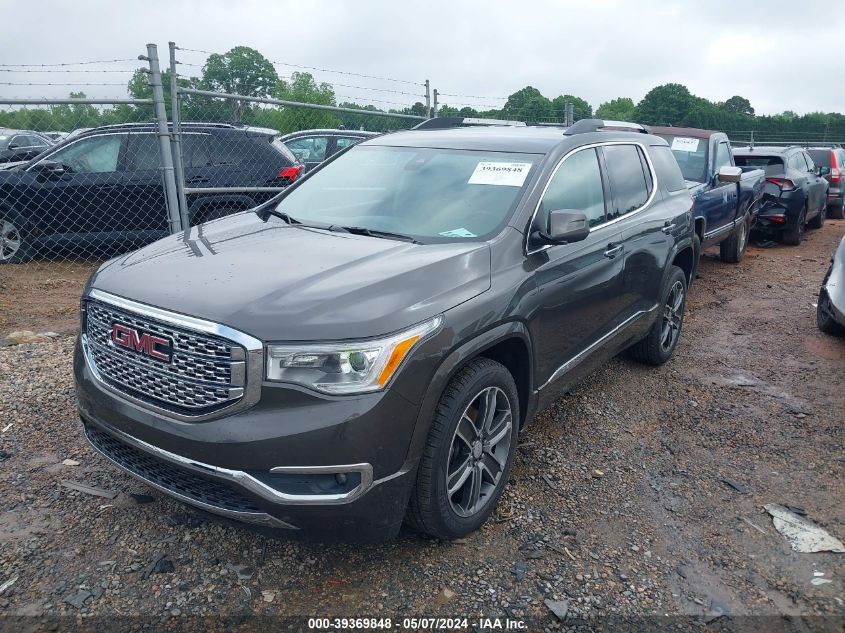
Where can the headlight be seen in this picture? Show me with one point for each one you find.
(342, 368)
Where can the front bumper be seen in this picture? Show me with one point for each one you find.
(276, 464)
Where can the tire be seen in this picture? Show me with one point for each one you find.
(836, 212)
(13, 246)
(824, 312)
(456, 449)
(655, 348)
(732, 250)
(818, 221)
(793, 237)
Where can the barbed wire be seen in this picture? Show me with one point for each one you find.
(71, 71)
(323, 70)
(101, 61)
(71, 83)
(448, 94)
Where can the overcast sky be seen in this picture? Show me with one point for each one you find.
(780, 55)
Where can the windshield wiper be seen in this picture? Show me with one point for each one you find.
(281, 214)
(387, 235)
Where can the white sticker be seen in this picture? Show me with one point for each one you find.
(506, 174)
(461, 232)
(685, 144)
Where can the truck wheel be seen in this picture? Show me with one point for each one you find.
(657, 347)
(469, 452)
(818, 221)
(793, 236)
(824, 317)
(13, 248)
(732, 250)
(837, 212)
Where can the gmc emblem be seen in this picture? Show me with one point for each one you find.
(142, 342)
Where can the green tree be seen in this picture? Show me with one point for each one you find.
(528, 104)
(621, 109)
(738, 105)
(240, 71)
(302, 88)
(668, 104)
(580, 108)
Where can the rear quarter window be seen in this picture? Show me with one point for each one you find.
(667, 168)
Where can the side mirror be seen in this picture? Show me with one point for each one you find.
(48, 169)
(565, 226)
(728, 173)
(824, 171)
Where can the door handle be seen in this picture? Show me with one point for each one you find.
(613, 250)
(668, 228)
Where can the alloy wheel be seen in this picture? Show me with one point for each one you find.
(10, 240)
(479, 452)
(672, 316)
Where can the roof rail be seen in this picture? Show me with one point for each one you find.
(442, 123)
(585, 126)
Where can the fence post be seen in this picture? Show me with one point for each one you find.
(427, 99)
(168, 175)
(176, 139)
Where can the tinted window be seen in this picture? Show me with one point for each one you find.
(576, 185)
(95, 155)
(821, 157)
(691, 155)
(723, 157)
(667, 168)
(231, 150)
(627, 179)
(196, 150)
(758, 161)
(811, 166)
(143, 152)
(312, 148)
(346, 141)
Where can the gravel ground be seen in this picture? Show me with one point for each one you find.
(637, 495)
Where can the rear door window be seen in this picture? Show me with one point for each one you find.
(667, 168)
(628, 184)
(142, 153)
(811, 166)
(576, 186)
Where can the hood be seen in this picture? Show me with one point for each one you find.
(279, 282)
(14, 165)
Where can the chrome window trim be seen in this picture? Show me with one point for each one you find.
(647, 203)
(248, 482)
(254, 356)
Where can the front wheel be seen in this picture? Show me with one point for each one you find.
(732, 250)
(469, 452)
(657, 347)
(13, 248)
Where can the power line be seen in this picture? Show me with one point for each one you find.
(72, 83)
(446, 94)
(69, 71)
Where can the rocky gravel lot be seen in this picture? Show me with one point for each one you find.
(637, 495)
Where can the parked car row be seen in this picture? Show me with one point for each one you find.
(100, 190)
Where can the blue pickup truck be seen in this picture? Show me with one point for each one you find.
(726, 197)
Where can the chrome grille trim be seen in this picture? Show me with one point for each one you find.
(201, 380)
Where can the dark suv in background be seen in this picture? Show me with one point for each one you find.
(794, 195)
(101, 191)
(21, 145)
(368, 346)
(831, 162)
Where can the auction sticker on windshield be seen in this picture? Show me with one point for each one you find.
(684, 144)
(495, 173)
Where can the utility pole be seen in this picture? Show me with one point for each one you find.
(427, 99)
(434, 111)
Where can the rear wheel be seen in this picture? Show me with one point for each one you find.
(732, 250)
(793, 236)
(469, 452)
(818, 221)
(837, 211)
(13, 247)
(657, 347)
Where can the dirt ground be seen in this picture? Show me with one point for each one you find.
(636, 499)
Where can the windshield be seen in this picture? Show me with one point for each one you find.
(691, 154)
(432, 195)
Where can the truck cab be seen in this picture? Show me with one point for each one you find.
(727, 197)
